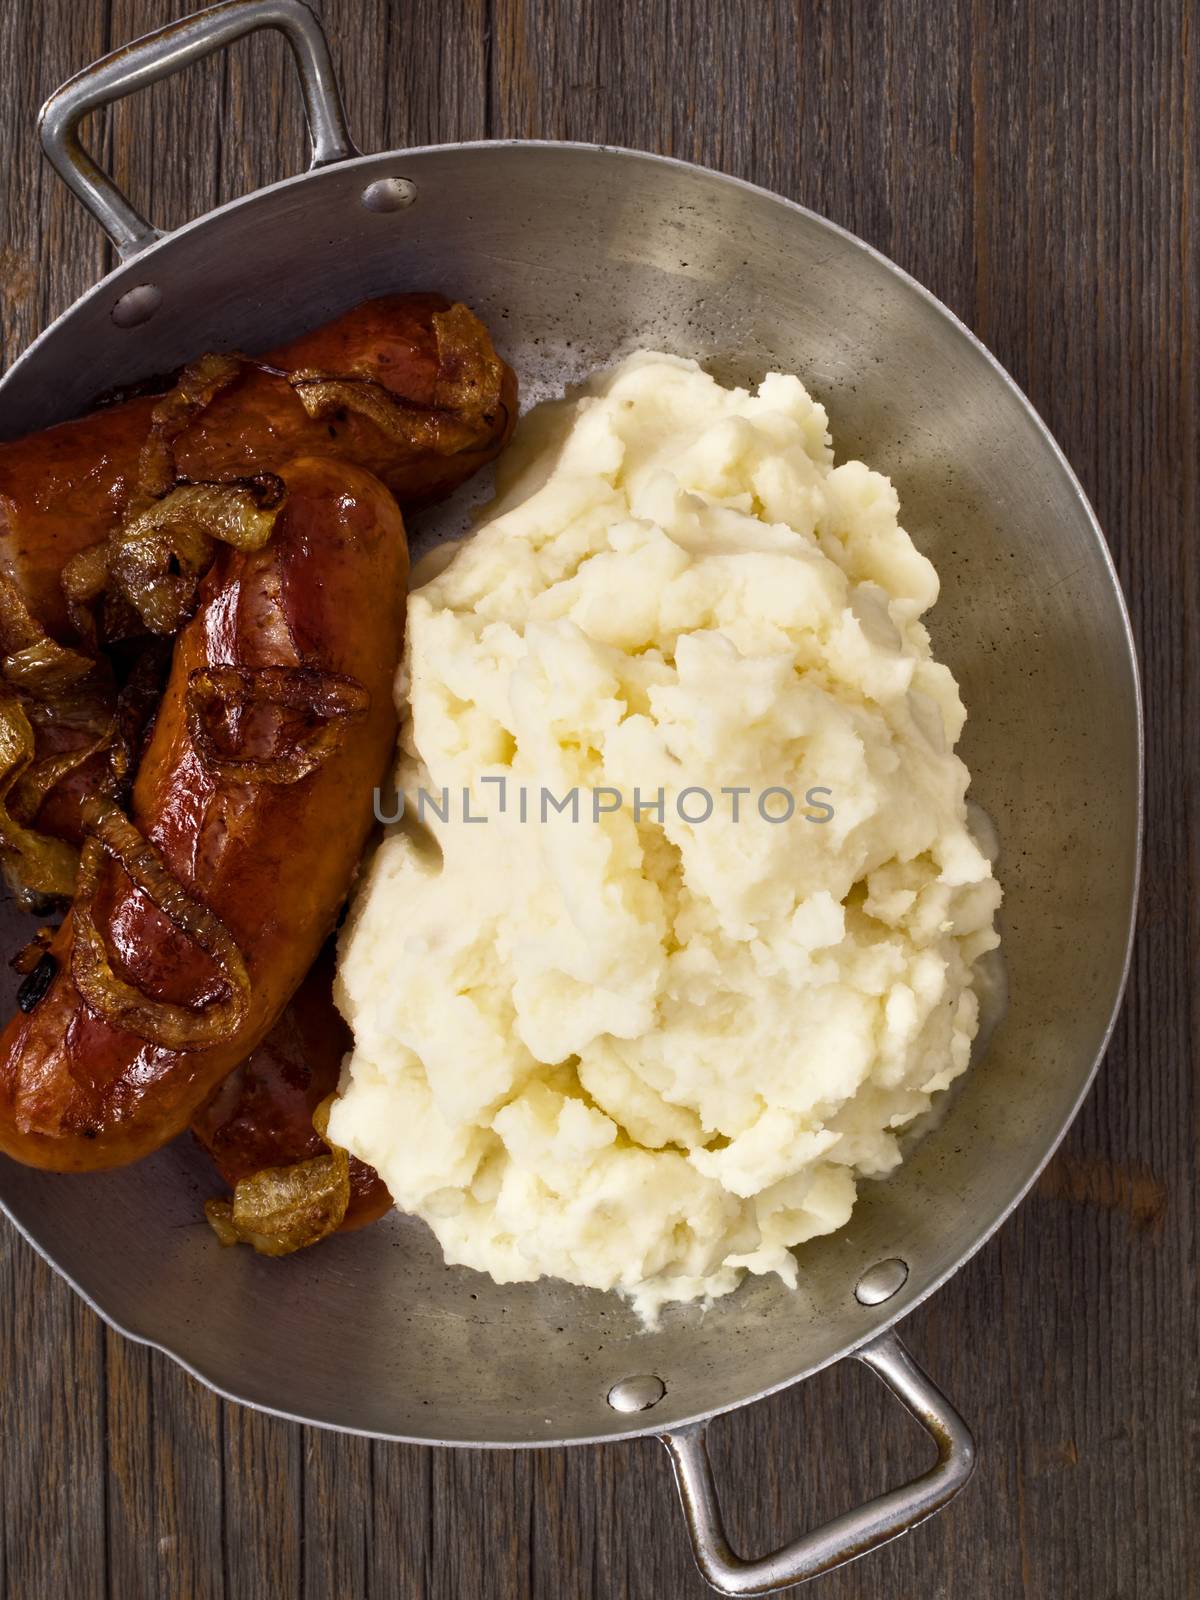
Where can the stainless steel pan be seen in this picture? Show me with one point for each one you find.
(573, 253)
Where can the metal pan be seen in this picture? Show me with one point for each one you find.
(573, 253)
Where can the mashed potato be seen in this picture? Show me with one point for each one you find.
(646, 1043)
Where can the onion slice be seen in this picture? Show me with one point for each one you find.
(60, 691)
(282, 1209)
(333, 699)
(35, 865)
(18, 629)
(156, 560)
(43, 686)
(466, 396)
(195, 389)
(175, 1027)
(52, 672)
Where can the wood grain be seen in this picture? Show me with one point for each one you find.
(1035, 163)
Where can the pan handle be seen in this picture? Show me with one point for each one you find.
(159, 55)
(851, 1535)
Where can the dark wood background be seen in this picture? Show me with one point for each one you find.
(1035, 164)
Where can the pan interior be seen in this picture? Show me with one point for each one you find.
(574, 255)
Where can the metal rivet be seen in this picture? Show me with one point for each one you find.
(137, 305)
(881, 1282)
(389, 194)
(636, 1394)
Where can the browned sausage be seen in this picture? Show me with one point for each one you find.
(272, 861)
(261, 1116)
(64, 489)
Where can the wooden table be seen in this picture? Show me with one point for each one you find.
(1035, 164)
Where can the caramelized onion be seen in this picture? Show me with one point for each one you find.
(156, 560)
(195, 389)
(63, 689)
(35, 866)
(466, 396)
(333, 699)
(240, 513)
(31, 788)
(470, 373)
(83, 579)
(47, 669)
(174, 1027)
(43, 686)
(282, 1209)
(18, 629)
(85, 574)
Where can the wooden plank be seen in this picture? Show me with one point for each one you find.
(164, 1478)
(1036, 166)
(53, 1475)
(53, 1472)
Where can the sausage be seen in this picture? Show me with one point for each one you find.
(64, 489)
(273, 861)
(261, 1116)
